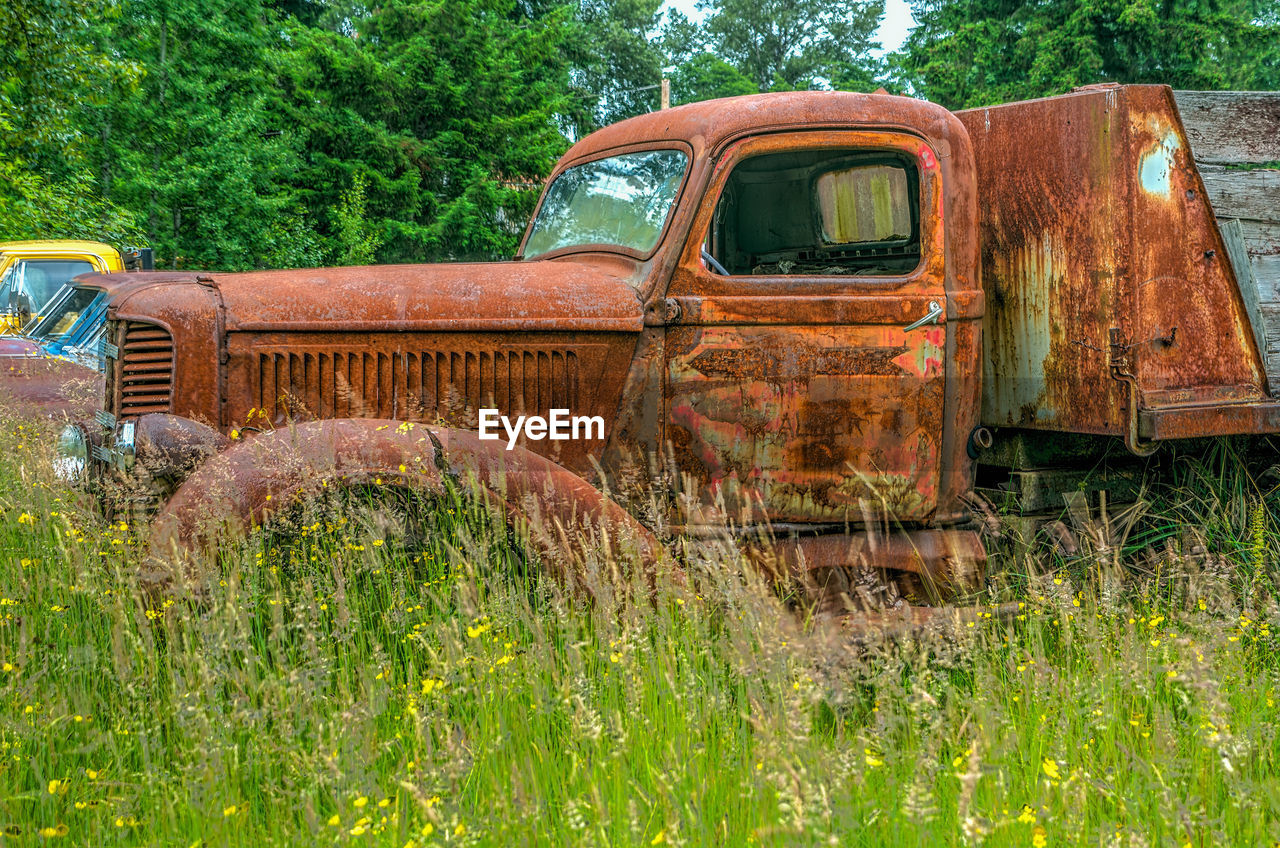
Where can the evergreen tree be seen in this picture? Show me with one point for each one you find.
(447, 109)
(192, 150)
(979, 52)
(795, 44)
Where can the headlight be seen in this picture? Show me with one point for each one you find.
(72, 464)
(122, 445)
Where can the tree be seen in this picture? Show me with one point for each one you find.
(792, 44)
(979, 52)
(616, 67)
(447, 109)
(705, 77)
(193, 149)
(47, 69)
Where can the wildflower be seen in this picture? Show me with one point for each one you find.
(92, 773)
(357, 830)
(1028, 815)
(57, 787)
(385, 802)
(8, 667)
(1038, 837)
(615, 657)
(1051, 769)
(427, 829)
(402, 468)
(360, 802)
(27, 518)
(872, 758)
(334, 821)
(51, 832)
(229, 811)
(659, 839)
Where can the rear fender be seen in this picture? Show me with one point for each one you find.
(565, 518)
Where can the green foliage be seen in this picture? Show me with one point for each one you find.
(448, 107)
(704, 77)
(794, 44)
(47, 69)
(980, 52)
(357, 239)
(33, 207)
(194, 149)
(616, 67)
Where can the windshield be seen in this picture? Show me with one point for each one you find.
(34, 289)
(623, 201)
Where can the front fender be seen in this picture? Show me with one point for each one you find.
(566, 518)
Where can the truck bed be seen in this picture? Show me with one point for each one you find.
(1113, 307)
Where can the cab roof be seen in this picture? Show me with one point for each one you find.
(710, 123)
(97, 248)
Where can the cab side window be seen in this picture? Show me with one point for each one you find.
(818, 213)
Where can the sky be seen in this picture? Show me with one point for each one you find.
(893, 30)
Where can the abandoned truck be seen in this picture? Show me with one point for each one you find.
(823, 310)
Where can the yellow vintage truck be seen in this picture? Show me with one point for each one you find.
(32, 273)
(45, 320)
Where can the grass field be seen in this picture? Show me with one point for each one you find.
(342, 692)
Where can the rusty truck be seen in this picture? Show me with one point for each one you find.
(825, 312)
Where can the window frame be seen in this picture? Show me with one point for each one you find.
(694, 277)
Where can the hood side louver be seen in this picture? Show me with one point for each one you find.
(420, 385)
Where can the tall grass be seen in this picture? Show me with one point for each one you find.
(346, 691)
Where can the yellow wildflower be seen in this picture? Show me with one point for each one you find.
(1051, 769)
(334, 821)
(660, 838)
(57, 787)
(1028, 815)
(229, 811)
(1039, 838)
(361, 801)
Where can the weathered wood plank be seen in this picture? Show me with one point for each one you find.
(1243, 194)
(1231, 126)
(1266, 277)
(1261, 237)
(1239, 257)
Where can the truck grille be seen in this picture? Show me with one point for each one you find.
(145, 370)
(422, 386)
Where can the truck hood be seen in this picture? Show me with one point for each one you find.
(570, 294)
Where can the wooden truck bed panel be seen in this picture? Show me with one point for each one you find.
(1112, 307)
(1235, 140)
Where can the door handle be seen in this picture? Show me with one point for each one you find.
(930, 317)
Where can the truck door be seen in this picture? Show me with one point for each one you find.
(806, 336)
